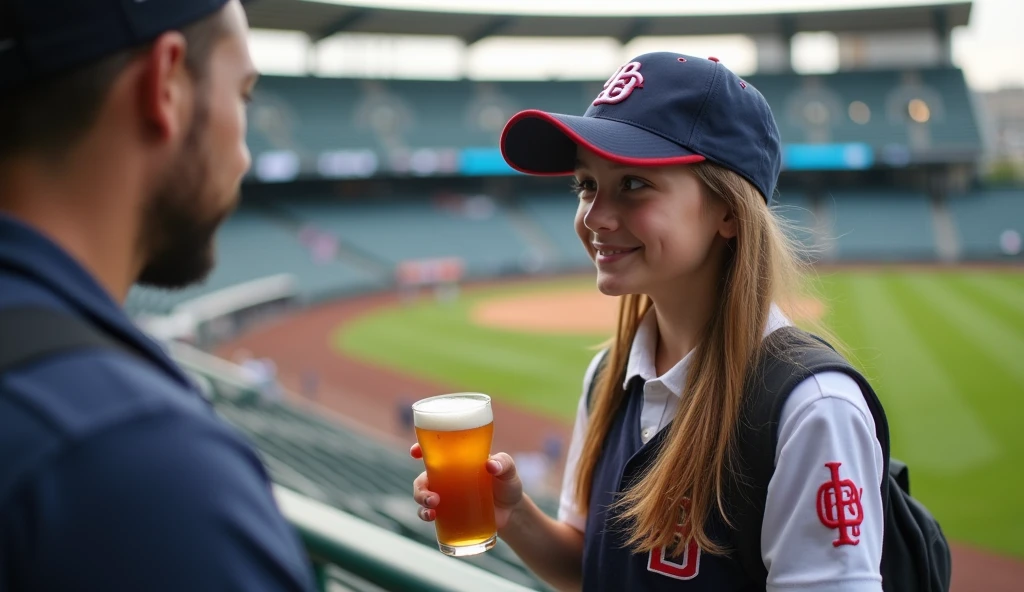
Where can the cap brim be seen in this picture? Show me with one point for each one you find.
(541, 143)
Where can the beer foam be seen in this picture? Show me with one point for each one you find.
(448, 413)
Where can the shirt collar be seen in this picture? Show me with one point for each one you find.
(30, 254)
(642, 352)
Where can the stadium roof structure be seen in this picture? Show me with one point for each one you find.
(320, 20)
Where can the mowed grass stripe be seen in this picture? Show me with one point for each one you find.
(531, 377)
(440, 342)
(1012, 278)
(983, 382)
(462, 345)
(918, 393)
(842, 317)
(998, 292)
(992, 518)
(982, 331)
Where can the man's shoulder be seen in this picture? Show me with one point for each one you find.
(76, 390)
(63, 402)
(183, 491)
(77, 393)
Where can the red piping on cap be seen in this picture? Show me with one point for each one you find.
(568, 131)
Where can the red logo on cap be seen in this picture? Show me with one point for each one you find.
(621, 84)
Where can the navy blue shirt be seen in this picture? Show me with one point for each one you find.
(115, 473)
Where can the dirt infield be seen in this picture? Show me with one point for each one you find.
(579, 311)
(369, 398)
(571, 311)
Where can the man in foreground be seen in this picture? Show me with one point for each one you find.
(122, 148)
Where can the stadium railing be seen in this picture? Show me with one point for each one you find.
(220, 314)
(375, 555)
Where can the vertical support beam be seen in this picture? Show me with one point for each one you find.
(787, 29)
(774, 54)
(312, 60)
(943, 35)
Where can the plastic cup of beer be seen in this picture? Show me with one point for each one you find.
(454, 432)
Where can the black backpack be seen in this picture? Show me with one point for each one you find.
(915, 552)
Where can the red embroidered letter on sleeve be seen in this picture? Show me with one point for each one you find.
(839, 506)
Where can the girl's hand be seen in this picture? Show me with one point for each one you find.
(508, 489)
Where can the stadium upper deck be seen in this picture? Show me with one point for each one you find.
(346, 128)
(872, 113)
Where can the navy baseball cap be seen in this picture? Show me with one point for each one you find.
(658, 109)
(41, 38)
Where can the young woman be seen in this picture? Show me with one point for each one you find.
(675, 165)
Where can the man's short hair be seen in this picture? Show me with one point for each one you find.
(50, 116)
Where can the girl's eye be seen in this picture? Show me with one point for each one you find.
(632, 184)
(581, 187)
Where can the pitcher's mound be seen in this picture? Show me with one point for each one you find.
(586, 312)
(577, 311)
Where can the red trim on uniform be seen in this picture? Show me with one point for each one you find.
(688, 569)
(575, 137)
(689, 565)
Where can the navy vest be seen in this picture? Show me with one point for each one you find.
(607, 564)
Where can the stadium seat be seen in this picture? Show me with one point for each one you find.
(982, 217)
(882, 225)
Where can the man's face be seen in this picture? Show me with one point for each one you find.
(201, 187)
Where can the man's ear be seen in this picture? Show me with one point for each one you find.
(166, 86)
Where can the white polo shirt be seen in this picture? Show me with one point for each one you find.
(825, 421)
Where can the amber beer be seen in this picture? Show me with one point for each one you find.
(455, 433)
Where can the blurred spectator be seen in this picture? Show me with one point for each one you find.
(1010, 241)
(535, 471)
(553, 448)
(310, 383)
(405, 415)
(260, 372)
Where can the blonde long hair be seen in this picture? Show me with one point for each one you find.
(762, 267)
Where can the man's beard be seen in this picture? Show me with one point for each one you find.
(177, 232)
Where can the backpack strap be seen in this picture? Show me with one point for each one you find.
(31, 333)
(789, 357)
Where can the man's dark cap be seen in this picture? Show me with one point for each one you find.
(43, 38)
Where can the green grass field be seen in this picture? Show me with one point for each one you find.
(944, 350)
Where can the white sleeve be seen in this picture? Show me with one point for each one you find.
(567, 510)
(823, 522)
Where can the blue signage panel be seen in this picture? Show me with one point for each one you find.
(483, 161)
(810, 157)
(280, 166)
